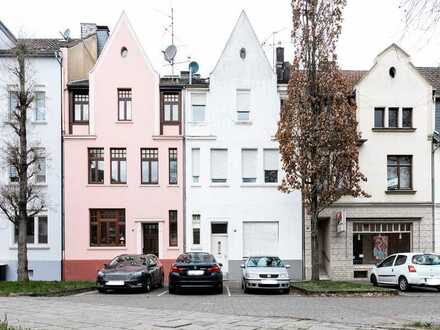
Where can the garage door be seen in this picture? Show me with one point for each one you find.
(260, 238)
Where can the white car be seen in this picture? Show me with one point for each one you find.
(265, 272)
(408, 269)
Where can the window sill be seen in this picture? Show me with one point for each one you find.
(127, 122)
(259, 185)
(400, 192)
(115, 185)
(198, 123)
(39, 122)
(173, 248)
(243, 122)
(219, 185)
(393, 129)
(104, 248)
(40, 185)
(146, 185)
(195, 185)
(173, 186)
(80, 123)
(32, 247)
(196, 248)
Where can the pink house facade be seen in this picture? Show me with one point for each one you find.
(123, 160)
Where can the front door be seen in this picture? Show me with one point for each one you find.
(151, 238)
(219, 249)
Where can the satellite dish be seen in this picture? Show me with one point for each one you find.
(66, 34)
(170, 53)
(193, 67)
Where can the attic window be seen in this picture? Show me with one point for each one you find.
(243, 53)
(392, 72)
(124, 51)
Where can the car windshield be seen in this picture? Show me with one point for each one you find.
(122, 261)
(265, 262)
(426, 259)
(195, 258)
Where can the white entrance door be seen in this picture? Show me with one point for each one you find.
(219, 249)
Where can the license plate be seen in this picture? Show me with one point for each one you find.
(269, 282)
(195, 272)
(115, 283)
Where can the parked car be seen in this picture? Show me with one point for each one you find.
(265, 272)
(196, 270)
(131, 272)
(408, 269)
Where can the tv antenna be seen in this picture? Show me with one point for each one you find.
(273, 44)
(170, 52)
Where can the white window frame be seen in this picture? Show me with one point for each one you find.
(239, 110)
(36, 243)
(36, 174)
(195, 95)
(195, 166)
(36, 109)
(219, 180)
(196, 227)
(246, 155)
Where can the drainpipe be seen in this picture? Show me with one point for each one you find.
(184, 168)
(59, 58)
(434, 146)
(303, 218)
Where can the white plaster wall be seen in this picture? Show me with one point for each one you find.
(236, 202)
(46, 75)
(407, 89)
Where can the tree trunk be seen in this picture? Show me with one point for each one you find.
(315, 238)
(22, 269)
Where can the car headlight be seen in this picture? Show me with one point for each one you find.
(251, 276)
(136, 274)
(100, 274)
(284, 275)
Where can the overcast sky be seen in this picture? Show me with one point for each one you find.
(203, 26)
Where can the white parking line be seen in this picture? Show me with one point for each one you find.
(162, 293)
(229, 292)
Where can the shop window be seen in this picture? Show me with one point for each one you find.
(373, 242)
(107, 227)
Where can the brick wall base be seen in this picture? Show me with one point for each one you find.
(85, 270)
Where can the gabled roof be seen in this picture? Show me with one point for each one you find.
(432, 74)
(40, 47)
(123, 19)
(8, 33)
(243, 22)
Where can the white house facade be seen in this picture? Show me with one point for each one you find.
(233, 206)
(395, 114)
(44, 128)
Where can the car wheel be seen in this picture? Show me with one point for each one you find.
(286, 291)
(403, 283)
(438, 288)
(171, 289)
(161, 281)
(147, 286)
(102, 290)
(373, 280)
(245, 288)
(219, 290)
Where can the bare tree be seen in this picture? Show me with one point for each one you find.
(317, 131)
(421, 14)
(21, 198)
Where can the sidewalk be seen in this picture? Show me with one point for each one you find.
(51, 314)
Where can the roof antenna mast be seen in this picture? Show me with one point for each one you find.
(170, 52)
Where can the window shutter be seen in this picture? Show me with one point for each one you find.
(249, 163)
(271, 159)
(243, 100)
(195, 162)
(219, 161)
(198, 98)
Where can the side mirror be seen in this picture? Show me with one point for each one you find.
(287, 266)
(105, 266)
(220, 264)
(242, 266)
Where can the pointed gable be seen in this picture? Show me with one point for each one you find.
(7, 39)
(242, 52)
(122, 35)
